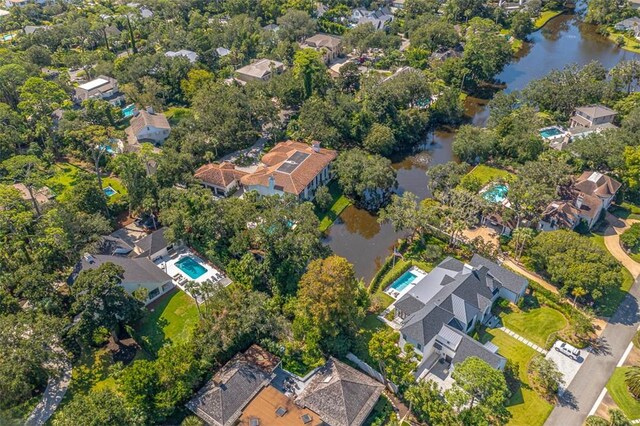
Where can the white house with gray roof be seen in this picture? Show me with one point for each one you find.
(438, 312)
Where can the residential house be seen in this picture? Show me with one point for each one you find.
(138, 273)
(30, 29)
(222, 52)
(262, 69)
(271, 27)
(378, 18)
(592, 116)
(42, 195)
(145, 12)
(398, 4)
(152, 246)
(292, 168)
(631, 25)
(148, 126)
(635, 4)
(103, 87)
(223, 179)
(272, 407)
(585, 200)
(190, 55)
(4, 13)
(442, 54)
(436, 314)
(340, 394)
(16, 3)
(330, 46)
(221, 401)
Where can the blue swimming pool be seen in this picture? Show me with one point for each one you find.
(496, 194)
(191, 267)
(550, 132)
(128, 111)
(404, 280)
(109, 191)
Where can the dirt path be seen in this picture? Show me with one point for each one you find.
(530, 275)
(612, 241)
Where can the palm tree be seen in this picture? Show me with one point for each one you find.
(193, 289)
(191, 421)
(632, 379)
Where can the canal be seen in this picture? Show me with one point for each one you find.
(357, 235)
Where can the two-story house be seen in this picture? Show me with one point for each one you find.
(262, 69)
(103, 87)
(446, 304)
(148, 126)
(592, 115)
(585, 200)
(330, 46)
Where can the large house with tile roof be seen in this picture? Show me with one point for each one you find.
(290, 167)
(585, 200)
(436, 314)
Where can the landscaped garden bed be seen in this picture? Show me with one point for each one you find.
(619, 392)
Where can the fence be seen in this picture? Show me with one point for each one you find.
(371, 371)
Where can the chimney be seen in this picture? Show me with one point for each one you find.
(316, 146)
(272, 183)
(150, 110)
(579, 201)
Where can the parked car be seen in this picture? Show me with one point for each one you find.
(568, 350)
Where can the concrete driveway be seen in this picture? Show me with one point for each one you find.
(612, 241)
(569, 367)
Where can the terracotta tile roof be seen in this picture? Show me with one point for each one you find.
(220, 175)
(311, 163)
(144, 118)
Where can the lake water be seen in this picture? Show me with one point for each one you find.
(358, 236)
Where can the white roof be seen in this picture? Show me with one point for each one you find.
(93, 84)
(450, 337)
(4, 12)
(595, 176)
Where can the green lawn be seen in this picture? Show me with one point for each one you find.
(545, 17)
(485, 174)
(172, 320)
(527, 408)
(618, 390)
(535, 324)
(360, 349)
(626, 211)
(340, 202)
(176, 114)
(630, 43)
(66, 174)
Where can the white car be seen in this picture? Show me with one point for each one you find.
(568, 350)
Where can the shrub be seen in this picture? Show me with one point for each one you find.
(631, 237)
(545, 376)
(596, 421)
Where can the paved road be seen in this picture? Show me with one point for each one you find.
(585, 388)
(612, 241)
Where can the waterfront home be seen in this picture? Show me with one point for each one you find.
(436, 314)
(262, 69)
(148, 126)
(292, 168)
(330, 46)
(585, 200)
(103, 87)
(592, 116)
(631, 25)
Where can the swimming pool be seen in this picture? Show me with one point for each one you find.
(109, 191)
(8, 37)
(550, 132)
(128, 111)
(496, 194)
(191, 267)
(404, 280)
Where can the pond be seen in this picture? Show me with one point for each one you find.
(359, 237)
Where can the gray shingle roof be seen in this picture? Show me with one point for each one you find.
(152, 243)
(408, 304)
(468, 347)
(508, 279)
(340, 394)
(139, 270)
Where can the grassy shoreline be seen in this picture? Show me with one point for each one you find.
(545, 17)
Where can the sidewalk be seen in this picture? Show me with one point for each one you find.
(523, 340)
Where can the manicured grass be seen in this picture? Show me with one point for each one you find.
(535, 324)
(527, 408)
(485, 174)
(340, 202)
(630, 43)
(370, 325)
(545, 17)
(66, 174)
(172, 320)
(618, 390)
(626, 211)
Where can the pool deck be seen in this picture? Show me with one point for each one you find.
(419, 273)
(168, 264)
